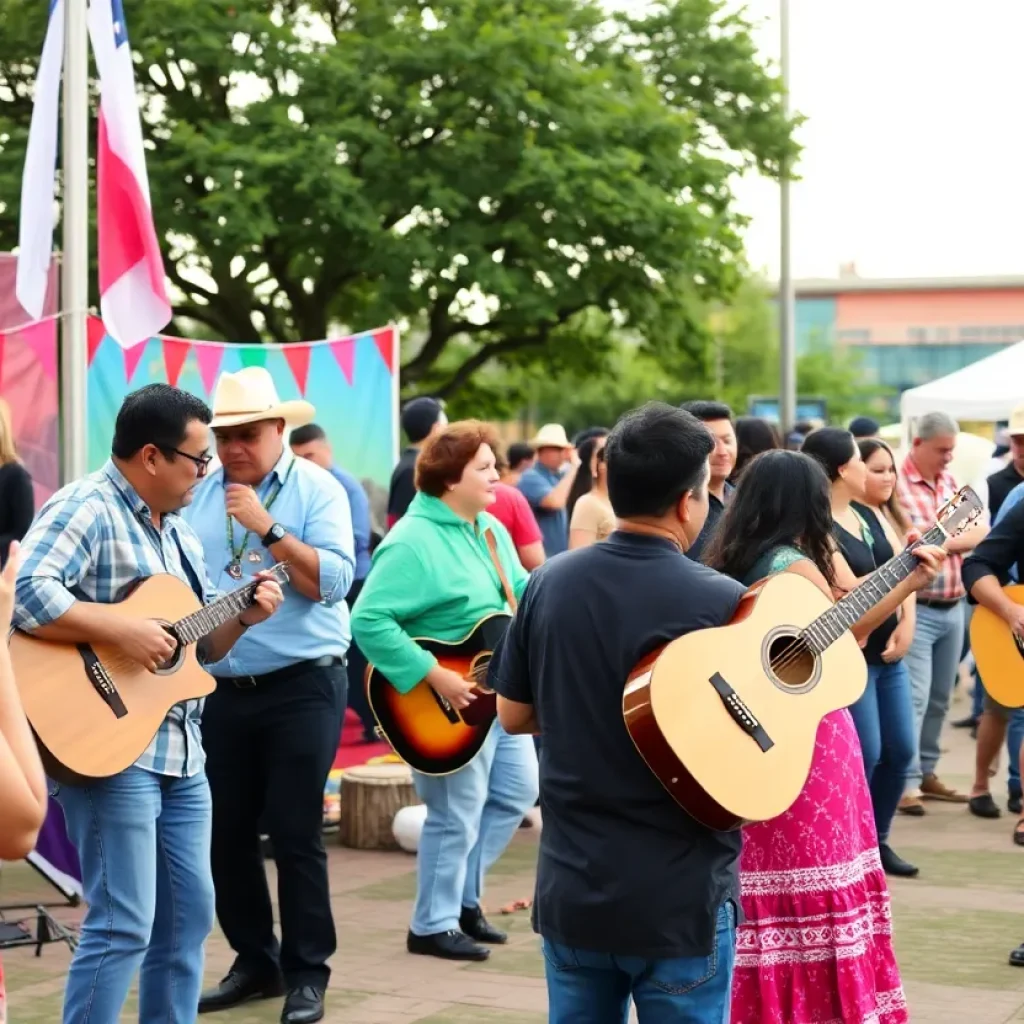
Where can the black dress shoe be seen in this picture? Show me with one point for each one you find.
(303, 1005)
(970, 722)
(893, 864)
(1015, 804)
(983, 806)
(237, 988)
(446, 945)
(1017, 956)
(476, 926)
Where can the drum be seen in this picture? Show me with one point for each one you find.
(371, 796)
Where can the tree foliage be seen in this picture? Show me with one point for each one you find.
(517, 180)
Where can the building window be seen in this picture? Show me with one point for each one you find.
(917, 335)
(856, 336)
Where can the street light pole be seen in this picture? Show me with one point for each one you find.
(787, 299)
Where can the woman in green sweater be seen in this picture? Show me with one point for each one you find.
(433, 575)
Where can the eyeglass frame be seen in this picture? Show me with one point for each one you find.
(201, 462)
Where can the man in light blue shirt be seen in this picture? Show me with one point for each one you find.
(271, 727)
(546, 485)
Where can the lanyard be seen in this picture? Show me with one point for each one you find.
(275, 490)
(866, 536)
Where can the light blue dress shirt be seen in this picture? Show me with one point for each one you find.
(313, 507)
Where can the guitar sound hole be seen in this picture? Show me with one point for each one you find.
(792, 662)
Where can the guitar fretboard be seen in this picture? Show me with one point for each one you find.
(828, 627)
(192, 628)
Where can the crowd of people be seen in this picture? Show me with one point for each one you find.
(603, 548)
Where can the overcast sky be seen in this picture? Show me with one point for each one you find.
(913, 163)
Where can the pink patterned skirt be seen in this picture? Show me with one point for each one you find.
(817, 944)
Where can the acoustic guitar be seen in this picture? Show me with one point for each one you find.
(423, 728)
(726, 718)
(999, 652)
(92, 708)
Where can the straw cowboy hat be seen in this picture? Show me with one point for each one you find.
(551, 435)
(249, 396)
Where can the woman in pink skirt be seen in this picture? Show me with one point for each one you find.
(816, 947)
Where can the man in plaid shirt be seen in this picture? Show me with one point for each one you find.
(143, 836)
(924, 486)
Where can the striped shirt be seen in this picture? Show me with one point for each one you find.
(90, 540)
(922, 500)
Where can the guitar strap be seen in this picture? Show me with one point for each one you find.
(492, 546)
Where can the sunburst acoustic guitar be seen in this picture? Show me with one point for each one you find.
(726, 718)
(93, 709)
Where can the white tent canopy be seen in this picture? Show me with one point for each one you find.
(985, 391)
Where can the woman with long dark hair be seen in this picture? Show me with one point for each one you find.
(884, 715)
(587, 444)
(816, 944)
(593, 518)
(753, 436)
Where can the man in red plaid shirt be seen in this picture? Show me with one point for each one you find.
(924, 486)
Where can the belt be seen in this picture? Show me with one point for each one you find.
(938, 602)
(281, 674)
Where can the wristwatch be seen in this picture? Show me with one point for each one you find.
(274, 534)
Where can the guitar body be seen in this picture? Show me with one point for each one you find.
(676, 706)
(93, 710)
(426, 732)
(998, 653)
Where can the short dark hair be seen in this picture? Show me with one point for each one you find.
(833, 447)
(310, 432)
(863, 426)
(707, 412)
(655, 454)
(444, 457)
(588, 434)
(419, 417)
(156, 414)
(519, 453)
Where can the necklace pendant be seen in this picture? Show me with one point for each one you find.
(255, 556)
(234, 570)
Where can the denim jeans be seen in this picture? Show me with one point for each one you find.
(884, 718)
(471, 817)
(143, 841)
(1014, 739)
(932, 661)
(595, 988)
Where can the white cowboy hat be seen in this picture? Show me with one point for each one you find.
(551, 435)
(249, 396)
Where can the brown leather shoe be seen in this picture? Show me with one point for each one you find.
(933, 789)
(912, 806)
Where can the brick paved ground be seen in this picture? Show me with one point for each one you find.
(954, 927)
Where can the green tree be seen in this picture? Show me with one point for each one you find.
(517, 179)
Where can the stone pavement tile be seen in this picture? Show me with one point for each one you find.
(481, 1015)
(944, 1004)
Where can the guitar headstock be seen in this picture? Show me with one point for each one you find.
(960, 512)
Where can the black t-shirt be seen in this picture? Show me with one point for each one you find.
(1000, 553)
(622, 868)
(999, 486)
(864, 558)
(403, 486)
(716, 509)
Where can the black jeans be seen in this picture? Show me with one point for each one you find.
(269, 749)
(357, 673)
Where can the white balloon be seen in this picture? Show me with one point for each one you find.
(408, 825)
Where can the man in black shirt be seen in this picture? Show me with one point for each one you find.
(420, 418)
(1002, 482)
(717, 417)
(634, 898)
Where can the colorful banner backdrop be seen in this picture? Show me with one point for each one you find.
(28, 378)
(351, 381)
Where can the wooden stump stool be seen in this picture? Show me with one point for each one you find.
(371, 796)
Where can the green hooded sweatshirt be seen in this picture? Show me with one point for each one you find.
(432, 577)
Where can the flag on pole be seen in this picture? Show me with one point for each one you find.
(35, 228)
(133, 294)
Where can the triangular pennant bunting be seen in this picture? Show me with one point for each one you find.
(253, 355)
(209, 359)
(384, 339)
(132, 358)
(95, 332)
(41, 338)
(344, 352)
(297, 355)
(175, 353)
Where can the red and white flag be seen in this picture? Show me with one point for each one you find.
(133, 293)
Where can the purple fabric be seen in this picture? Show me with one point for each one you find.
(54, 854)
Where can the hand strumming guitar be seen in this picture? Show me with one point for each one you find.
(450, 685)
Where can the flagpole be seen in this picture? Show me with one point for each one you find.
(75, 262)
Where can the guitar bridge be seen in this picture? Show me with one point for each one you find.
(101, 681)
(741, 714)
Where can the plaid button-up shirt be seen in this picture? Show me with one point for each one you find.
(922, 501)
(91, 539)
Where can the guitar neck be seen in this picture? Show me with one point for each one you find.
(828, 627)
(192, 628)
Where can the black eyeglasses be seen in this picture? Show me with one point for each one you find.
(202, 462)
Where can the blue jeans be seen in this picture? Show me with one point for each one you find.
(143, 841)
(932, 661)
(884, 718)
(1014, 739)
(471, 818)
(595, 988)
